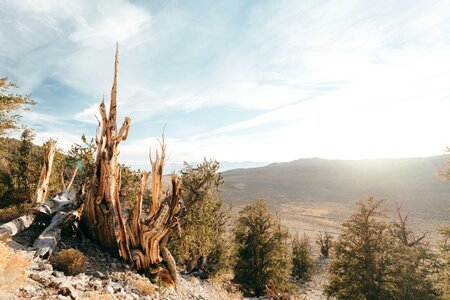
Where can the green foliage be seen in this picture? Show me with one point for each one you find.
(219, 258)
(262, 251)
(82, 156)
(371, 262)
(24, 162)
(70, 261)
(20, 163)
(302, 262)
(130, 184)
(325, 242)
(198, 182)
(443, 279)
(202, 234)
(9, 105)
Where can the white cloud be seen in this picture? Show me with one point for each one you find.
(328, 79)
(88, 115)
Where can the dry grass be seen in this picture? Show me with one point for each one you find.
(13, 272)
(70, 261)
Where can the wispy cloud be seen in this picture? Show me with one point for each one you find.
(329, 79)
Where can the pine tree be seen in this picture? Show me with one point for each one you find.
(201, 243)
(9, 105)
(129, 187)
(302, 262)
(82, 156)
(443, 279)
(372, 262)
(21, 163)
(262, 252)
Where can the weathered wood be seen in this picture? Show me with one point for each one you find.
(103, 214)
(134, 223)
(64, 209)
(15, 226)
(71, 179)
(157, 169)
(171, 265)
(64, 200)
(46, 171)
(139, 239)
(153, 233)
(407, 237)
(49, 238)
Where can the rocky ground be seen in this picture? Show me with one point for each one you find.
(107, 277)
(313, 289)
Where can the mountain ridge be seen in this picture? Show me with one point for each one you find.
(412, 182)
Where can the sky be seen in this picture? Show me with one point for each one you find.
(242, 82)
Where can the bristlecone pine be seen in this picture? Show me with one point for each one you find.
(139, 239)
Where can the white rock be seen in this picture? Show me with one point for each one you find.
(36, 276)
(110, 289)
(29, 289)
(99, 274)
(58, 274)
(67, 289)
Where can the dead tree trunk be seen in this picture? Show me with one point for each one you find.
(46, 171)
(102, 212)
(139, 239)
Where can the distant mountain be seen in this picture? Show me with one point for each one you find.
(412, 182)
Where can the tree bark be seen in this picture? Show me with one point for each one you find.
(46, 171)
(102, 213)
(139, 239)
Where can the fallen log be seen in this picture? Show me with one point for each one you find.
(63, 201)
(15, 226)
(61, 209)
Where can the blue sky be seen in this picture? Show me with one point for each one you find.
(238, 81)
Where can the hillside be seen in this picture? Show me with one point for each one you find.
(326, 190)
